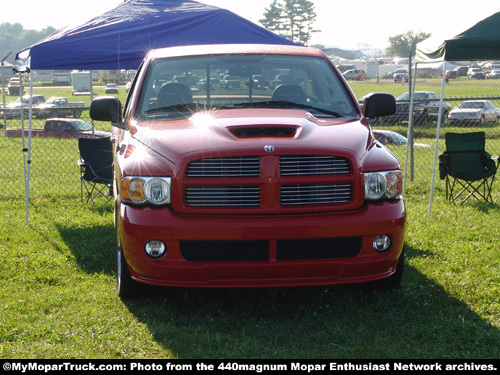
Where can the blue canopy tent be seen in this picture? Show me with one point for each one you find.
(120, 38)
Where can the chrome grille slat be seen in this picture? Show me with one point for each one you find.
(245, 166)
(308, 165)
(315, 194)
(223, 196)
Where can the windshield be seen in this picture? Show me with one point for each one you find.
(417, 96)
(181, 86)
(471, 105)
(26, 100)
(81, 125)
(397, 138)
(55, 101)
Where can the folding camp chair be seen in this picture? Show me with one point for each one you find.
(468, 169)
(96, 167)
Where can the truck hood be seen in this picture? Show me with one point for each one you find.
(229, 132)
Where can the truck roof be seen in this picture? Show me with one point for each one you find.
(222, 49)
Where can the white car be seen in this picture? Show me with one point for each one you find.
(388, 137)
(474, 111)
(111, 88)
(494, 73)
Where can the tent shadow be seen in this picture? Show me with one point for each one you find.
(92, 247)
(418, 320)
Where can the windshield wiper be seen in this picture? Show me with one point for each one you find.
(286, 104)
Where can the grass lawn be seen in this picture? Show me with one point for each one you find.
(58, 296)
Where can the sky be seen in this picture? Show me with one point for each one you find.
(344, 24)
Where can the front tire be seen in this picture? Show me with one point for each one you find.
(393, 281)
(125, 286)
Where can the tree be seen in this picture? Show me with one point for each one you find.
(273, 18)
(13, 38)
(292, 19)
(400, 45)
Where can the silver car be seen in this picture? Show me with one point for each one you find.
(474, 111)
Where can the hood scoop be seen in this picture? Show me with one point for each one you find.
(245, 132)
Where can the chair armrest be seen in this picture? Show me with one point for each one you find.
(489, 162)
(444, 165)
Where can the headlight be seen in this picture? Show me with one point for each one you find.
(380, 185)
(143, 190)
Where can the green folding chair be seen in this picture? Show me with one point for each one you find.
(468, 169)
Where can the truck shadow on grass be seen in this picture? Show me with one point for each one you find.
(418, 320)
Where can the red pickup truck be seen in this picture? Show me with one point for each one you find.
(254, 185)
(61, 128)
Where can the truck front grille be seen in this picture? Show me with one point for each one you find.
(304, 180)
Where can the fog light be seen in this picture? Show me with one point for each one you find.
(382, 243)
(155, 248)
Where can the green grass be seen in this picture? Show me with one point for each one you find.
(58, 297)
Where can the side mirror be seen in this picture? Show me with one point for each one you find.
(107, 108)
(379, 104)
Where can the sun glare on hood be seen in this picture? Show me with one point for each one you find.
(202, 120)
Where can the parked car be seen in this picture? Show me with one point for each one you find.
(59, 107)
(230, 82)
(425, 107)
(14, 87)
(13, 110)
(202, 84)
(260, 81)
(493, 74)
(111, 88)
(475, 73)
(400, 75)
(61, 128)
(281, 79)
(491, 66)
(354, 74)
(461, 71)
(451, 74)
(389, 137)
(474, 111)
(285, 189)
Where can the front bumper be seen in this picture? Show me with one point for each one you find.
(223, 247)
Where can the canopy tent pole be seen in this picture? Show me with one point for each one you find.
(30, 127)
(4, 126)
(440, 115)
(26, 158)
(409, 143)
(23, 141)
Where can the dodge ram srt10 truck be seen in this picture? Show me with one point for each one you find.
(253, 185)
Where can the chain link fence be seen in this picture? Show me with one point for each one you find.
(471, 102)
(60, 104)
